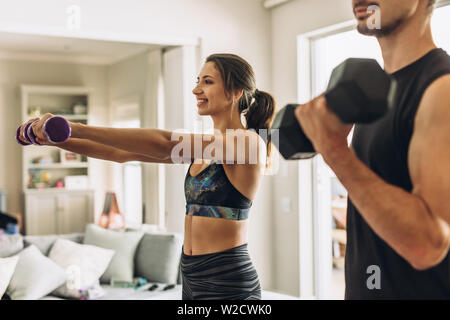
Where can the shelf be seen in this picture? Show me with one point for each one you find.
(75, 116)
(70, 117)
(54, 190)
(57, 90)
(59, 165)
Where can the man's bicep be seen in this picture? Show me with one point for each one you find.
(429, 152)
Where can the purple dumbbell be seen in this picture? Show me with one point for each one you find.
(25, 135)
(56, 129)
(20, 141)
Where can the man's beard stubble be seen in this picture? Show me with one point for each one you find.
(382, 32)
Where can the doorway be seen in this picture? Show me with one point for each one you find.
(116, 68)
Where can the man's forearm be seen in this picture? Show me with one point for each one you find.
(400, 218)
(149, 142)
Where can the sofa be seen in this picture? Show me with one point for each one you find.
(155, 257)
(116, 258)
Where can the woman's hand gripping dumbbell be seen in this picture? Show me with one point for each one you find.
(48, 130)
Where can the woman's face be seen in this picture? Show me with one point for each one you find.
(210, 92)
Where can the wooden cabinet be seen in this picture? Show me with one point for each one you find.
(58, 212)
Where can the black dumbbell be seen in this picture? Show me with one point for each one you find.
(359, 91)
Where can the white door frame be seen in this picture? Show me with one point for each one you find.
(315, 190)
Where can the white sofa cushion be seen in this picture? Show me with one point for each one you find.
(10, 245)
(45, 242)
(7, 267)
(84, 264)
(35, 276)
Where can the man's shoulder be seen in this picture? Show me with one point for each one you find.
(438, 61)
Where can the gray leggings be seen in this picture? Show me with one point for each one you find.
(225, 275)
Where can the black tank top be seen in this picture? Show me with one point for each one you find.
(383, 147)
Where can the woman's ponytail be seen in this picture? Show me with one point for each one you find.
(260, 113)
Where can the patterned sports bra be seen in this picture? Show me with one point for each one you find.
(211, 194)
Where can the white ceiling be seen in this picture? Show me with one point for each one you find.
(57, 49)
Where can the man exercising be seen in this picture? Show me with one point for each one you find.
(397, 171)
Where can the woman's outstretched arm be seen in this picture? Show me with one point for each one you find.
(152, 143)
(235, 146)
(100, 151)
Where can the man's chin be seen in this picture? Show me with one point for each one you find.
(364, 30)
(385, 30)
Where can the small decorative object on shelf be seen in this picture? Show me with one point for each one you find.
(39, 179)
(79, 108)
(76, 182)
(69, 157)
(34, 181)
(42, 160)
(46, 176)
(35, 111)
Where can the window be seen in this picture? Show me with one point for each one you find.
(439, 25)
(129, 175)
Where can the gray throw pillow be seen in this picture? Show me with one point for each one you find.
(35, 276)
(123, 243)
(158, 257)
(10, 245)
(45, 243)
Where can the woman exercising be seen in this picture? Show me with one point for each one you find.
(219, 185)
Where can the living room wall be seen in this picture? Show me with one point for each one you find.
(12, 75)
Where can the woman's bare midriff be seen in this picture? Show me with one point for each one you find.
(203, 235)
